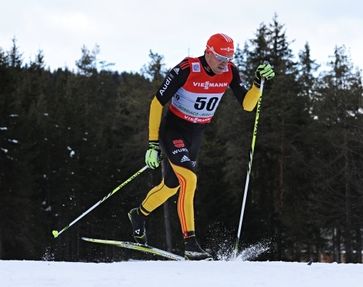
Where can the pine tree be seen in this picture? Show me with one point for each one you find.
(336, 108)
(87, 64)
(14, 56)
(155, 69)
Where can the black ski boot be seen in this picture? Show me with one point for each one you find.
(193, 251)
(138, 222)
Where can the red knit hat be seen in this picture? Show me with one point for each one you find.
(221, 44)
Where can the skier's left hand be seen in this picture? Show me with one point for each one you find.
(263, 71)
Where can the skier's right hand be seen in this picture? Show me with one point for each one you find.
(152, 156)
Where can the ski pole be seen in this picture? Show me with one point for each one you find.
(254, 135)
(56, 233)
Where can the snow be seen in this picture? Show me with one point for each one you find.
(72, 153)
(178, 274)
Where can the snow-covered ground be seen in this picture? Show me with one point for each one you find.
(178, 274)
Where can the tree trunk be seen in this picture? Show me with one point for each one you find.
(1, 245)
(279, 193)
(336, 244)
(348, 204)
(358, 245)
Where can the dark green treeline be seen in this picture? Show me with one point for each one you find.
(69, 138)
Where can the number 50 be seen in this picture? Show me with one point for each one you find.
(204, 102)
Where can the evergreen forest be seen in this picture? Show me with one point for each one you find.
(69, 137)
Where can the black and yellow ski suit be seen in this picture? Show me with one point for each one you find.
(194, 93)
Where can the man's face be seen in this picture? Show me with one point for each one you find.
(217, 63)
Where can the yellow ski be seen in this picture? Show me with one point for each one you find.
(136, 246)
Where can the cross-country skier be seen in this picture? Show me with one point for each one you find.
(195, 87)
